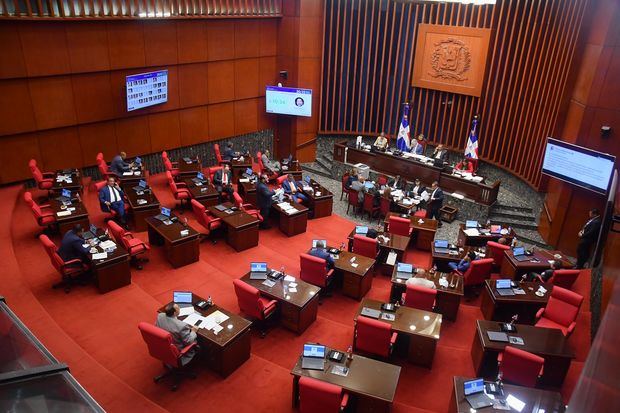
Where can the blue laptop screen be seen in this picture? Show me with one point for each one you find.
(441, 243)
(314, 350)
(502, 283)
(369, 185)
(200, 176)
(258, 267)
(473, 386)
(142, 183)
(182, 297)
(138, 160)
(66, 193)
(403, 267)
(165, 211)
(361, 230)
(93, 229)
(308, 179)
(471, 224)
(518, 250)
(249, 171)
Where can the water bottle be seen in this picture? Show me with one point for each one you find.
(282, 270)
(350, 353)
(209, 301)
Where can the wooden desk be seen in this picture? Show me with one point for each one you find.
(370, 383)
(423, 233)
(180, 250)
(292, 224)
(133, 176)
(482, 239)
(297, 310)
(391, 242)
(73, 184)
(231, 210)
(535, 400)
(356, 281)
(418, 331)
(501, 308)
(78, 216)
(538, 262)
(321, 205)
(442, 260)
(241, 230)
(225, 351)
(448, 299)
(141, 211)
(238, 167)
(247, 190)
(112, 272)
(293, 168)
(548, 343)
(191, 168)
(205, 193)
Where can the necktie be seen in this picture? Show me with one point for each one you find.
(113, 194)
(225, 178)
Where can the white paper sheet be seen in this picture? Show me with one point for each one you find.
(186, 311)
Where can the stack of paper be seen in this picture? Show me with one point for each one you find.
(186, 311)
(127, 173)
(108, 244)
(100, 256)
(472, 232)
(63, 213)
(457, 196)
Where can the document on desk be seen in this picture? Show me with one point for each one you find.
(217, 317)
(63, 213)
(391, 258)
(194, 318)
(186, 311)
(107, 244)
(457, 196)
(472, 232)
(100, 256)
(127, 173)
(289, 278)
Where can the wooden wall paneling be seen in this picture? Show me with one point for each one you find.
(327, 55)
(220, 40)
(193, 85)
(246, 78)
(52, 101)
(60, 148)
(392, 89)
(95, 138)
(192, 41)
(268, 42)
(93, 97)
(221, 120)
(16, 107)
(194, 125)
(356, 54)
(246, 116)
(265, 120)
(87, 43)
(379, 33)
(16, 151)
(133, 135)
(160, 42)
(267, 73)
(345, 66)
(126, 40)
(247, 38)
(221, 81)
(12, 63)
(337, 74)
(44, 45)
(165, 131)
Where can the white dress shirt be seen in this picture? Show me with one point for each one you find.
(115, 196)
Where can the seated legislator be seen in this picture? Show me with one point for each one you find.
(417, 189)
(223, 181)
(321, 251)
(420, 281)
(118, 164)
(381, 142)
(182, 334)
(358, 186)
(229, 153)
(352, 177)
(463, 265)
(547, 274)
(111, 199)
(273, 166)
(417, 146)
(397, 183)
(465, 166)
(72, 245)
(440, 153)
(292, 188)
(264, 199)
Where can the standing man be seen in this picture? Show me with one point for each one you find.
(292, 188)
(223, 181)
(111, 199)
(264, 199)
(587, 237)
(182, 334)
(435, 202)
(118, 164)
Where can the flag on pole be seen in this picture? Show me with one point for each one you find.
(471, 150)
(403, 141)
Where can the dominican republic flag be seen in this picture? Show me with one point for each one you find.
(403, 142)
(471, 150)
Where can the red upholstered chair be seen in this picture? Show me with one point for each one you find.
(281, 179)
(496, 250)
(562, 278)
(44, 216)
(172, 167)
(179, 189)
(213, 170)
(561, 310)
(353, 201)
(161, 347)
(399, 226)
(519, 367)
(368, 206)
(253, 305)
(382, 180)
(419, 297)
(247, 208)
(110, 214)
(103, 170)
(368, 247)
(343, 188)
(134, 246)
(218, 155)
(68, 270)
(314, 270)
(204, 217)
(420, 213)
(99, 157)
(478, 272)
(319, 396)
(373, 336)
(44, 180)
(271, 175)
(384, 208)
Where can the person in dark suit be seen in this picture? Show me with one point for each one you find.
(440, 153)
(223, 181)
(417, 189)
(352, 177)
(464, 263)
(229, 153)
(111, 199)
(397, 183)
(320, 251)
(292, 188)
(435, 202)
(588, 237)
(118, 164)
(417, 146)
(547, 274)
(264, 199)
(72, 245)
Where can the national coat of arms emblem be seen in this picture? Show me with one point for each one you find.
(450, 59)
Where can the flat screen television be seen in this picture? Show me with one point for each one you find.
(577, 165)
(288, 101)
(146, 89)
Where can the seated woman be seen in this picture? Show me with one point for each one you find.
(463, 265)
(465, 165)
(381, 142)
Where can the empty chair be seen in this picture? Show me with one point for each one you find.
(253, 305)
(281, 179)
(104, 171)
(373, 337)
(161, 347)
(369, 206)
(561, 310)
(44, 180)
(204, 217)
(519, 367)
(134, 246)
(562, 278)
(354, 201)
(172, 167)
(368, 247)
(247, 208)
(478, 272)
(99, 157)
(399, 226)
(420, 213)
(496, 250)
(314, 270)
(419, 297)
(179, 189)
(68, 270)
(43, 214)
(319, 396)
(384, 208)
(343, 185)
(218, 155)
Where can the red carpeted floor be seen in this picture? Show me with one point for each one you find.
(97, 334)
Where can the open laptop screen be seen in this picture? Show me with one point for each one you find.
(518, 251)
(66, 193)
(502, 283)
(441, 243)
(258, 267)
(165, 211)
(314, 350)
(360, 229)
(473, 386)
(182, 297)
(471, 224)
(496, 229)
(404, 267)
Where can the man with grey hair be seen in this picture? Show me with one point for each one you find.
(273, 166)
(182, 334)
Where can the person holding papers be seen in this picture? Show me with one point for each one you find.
(72, 245)
(223, 181)
(465, 166)
(435, 202)
(118, 164)
(292, 189)
(111, 198)
(419, 191)
(463, 265)
(264, 199)
(381, 142)
(182, 334)
(320, 251)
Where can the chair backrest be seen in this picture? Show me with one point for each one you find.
(32, 163)
(167, 164)
(422, 298)
(373, 336)
(282, 179)
(399, 226)
(248, 298)
(344, 180)
(36, 173)
(173, 187)
(259, 157)
(118, 233)
(100, 185)
(36, 209)
(496, 250)
(382, 180)
(478, 271)
(365, 246)
(28, 198)
(563, 306)
(385, 205)
(313, 269)
(103, 167)
(160, 345)
(520, 367)
(368, 202)
(218, 154)
(99, 157)
(199, 213)
(50, 249)
(564, 278)
(164, 155)
(318, 396)
(354, 198)
(169, 176)
(238, 199)
(213, 170)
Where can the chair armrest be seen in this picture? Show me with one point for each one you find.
(213, 221)
(187, 348)
(185, 190)
(500, 357)
(174, 164)
(270, 304)
(42, 206)
(330, 272)
(143, 245)
(540, 312)
(181, 185)
(457, 272)
(570, 328)
(344, 401)
(393, 338)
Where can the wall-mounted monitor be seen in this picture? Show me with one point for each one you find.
(146, 89)
(289, 101)
(578, 165)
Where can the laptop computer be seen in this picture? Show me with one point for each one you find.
(258, 271)
(91, 233)
(441, 246)
(504, 287)
(313, 357)
(371, 312)
(138, 160)
(369, 185)
(404, 270)
(187, 159)
(182, 298)
(199, 179)
(362, 230)
(141, 186)
(471, 224)
(221, 208)
(308, 179)
(519, 254)
(65, 196)
(316, 241)
(496, 229)
(474, 394)
(164, 216)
